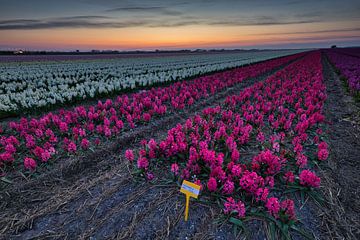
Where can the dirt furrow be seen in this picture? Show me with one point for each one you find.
(340, 215)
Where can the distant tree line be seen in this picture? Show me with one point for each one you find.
(78, 52)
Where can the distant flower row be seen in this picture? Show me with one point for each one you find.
(27, 143)
(40, 84)
(348, 63)
(351, 51)
(251, 148)
(66, 57)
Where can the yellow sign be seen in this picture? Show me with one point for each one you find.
(190, 190)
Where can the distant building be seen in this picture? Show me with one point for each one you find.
(18, 52)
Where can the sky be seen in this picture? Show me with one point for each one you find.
(185, 24)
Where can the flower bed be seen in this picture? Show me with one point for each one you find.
(34, 85)
(252, 150)
(28, 143)
(349, 67)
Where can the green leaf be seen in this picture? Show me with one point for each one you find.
(278, 224)
(285, 230)
(317, 197)
(272, 231)
(291, 191)
(235, 230)
(297, 187)
(237, 222)
(22, 174)
(302, 196)
(4, 179)
(303, 233)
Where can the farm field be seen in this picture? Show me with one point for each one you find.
(97, 148)
(27, 85)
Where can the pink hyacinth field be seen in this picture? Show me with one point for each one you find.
(179, 120)
(273, 146)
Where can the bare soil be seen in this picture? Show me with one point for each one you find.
(339, 217)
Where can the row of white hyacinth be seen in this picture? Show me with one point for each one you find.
(39, 84)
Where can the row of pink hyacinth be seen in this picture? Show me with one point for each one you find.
(29, 142)
(348, 64)
(278, 119)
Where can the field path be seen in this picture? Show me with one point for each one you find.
(340, 216)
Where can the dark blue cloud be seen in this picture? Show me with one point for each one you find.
(355, 29)
(152, 9)
(110, 22)
(344, 9)
(67, 22)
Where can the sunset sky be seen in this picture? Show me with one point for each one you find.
(160, 24)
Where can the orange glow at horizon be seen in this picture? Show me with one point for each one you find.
(195, 36)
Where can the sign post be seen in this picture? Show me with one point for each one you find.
(190, 190)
